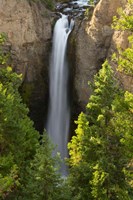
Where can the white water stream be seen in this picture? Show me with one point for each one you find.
(59, 112)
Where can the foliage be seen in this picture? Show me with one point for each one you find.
(15, 128)
(124, 58)
(3, 56)
(27, 169)
(100, 152)
(125, 19)
(43, 180)
(91, 2)
(18, 137)
(102, 148)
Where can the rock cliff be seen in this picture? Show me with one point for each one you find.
(28, 27)
(93, 40)
(120, 39)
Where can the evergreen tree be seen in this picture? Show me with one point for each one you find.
(27, 168)
(18, 138)
(101, 151)
(43, 180)
(17, 135)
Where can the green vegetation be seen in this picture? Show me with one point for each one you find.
(3, 57)
(125, 19)
(101, 151)
(27, 170)
(125, 22)
(18, 137)
(43, 180)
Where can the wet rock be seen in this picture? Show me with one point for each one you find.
(75, 6)
(60, 7)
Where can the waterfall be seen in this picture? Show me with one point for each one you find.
(59, 111)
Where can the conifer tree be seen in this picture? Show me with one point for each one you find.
(43, 178)
(18, 138)
(27, 168)
(100, 152)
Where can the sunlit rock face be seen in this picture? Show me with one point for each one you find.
(28, 28)
(93, 40)
(120, 40)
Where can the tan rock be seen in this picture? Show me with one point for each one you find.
(92, 44)
(120, 40)
(28, 28)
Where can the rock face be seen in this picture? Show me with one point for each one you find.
(93, 40)
(28, 28)
(120, 39)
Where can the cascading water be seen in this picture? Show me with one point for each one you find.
(59, 112)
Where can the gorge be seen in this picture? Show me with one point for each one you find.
(49, 51)
(91, 42)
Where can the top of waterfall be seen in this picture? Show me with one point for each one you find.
(69, 23)
(81, 3)
(74, 8)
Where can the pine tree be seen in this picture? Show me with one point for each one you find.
(100, 152)
(27, 168)
(18, 138)
(43, 179)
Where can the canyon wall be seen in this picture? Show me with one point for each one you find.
(28, 27)
(120, 39)
(92, 43)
